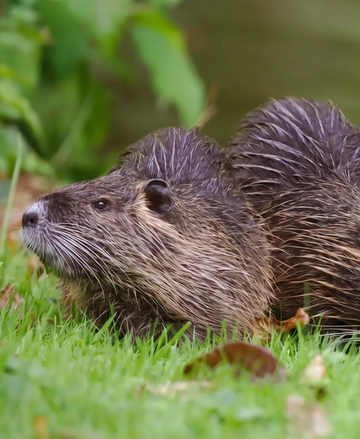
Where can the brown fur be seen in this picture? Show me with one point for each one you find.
(182, 249)
(297, 162)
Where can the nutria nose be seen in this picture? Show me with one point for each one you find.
(30, 218)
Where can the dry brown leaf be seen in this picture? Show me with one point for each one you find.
(42, 428)
(306, 420)
(300, 317)
(257, 360)
(43, 432)
(7, 294)
(266, 325)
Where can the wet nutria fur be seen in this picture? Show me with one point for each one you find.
(161, 239)
(298, 163)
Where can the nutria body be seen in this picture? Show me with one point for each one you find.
(297, 162)
(160, 239)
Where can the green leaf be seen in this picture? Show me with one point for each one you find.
(69, 41)
(174, 78)
(74, 23)
(103, 19)
(20, 45)
(14, 109)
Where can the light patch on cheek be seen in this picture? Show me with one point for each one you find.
(150, 219)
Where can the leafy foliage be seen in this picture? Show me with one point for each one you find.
(53, 56)
(157, 39)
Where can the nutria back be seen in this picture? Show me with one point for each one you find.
(161, 240)
(297, 162)
(290, 141)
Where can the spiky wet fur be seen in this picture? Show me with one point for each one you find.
(297, 161)
(204, 262)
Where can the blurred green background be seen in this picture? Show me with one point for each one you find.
(82, 79)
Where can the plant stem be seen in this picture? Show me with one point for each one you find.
(14, 179)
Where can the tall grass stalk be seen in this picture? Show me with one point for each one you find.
(15, 177)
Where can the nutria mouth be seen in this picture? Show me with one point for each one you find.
(53, 242)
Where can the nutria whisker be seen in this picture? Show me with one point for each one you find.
(78, 247)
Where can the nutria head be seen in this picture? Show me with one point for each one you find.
(161, 239)
(297, 161)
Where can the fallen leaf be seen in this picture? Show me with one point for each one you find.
(42, 428)
(300, 317)
(306, 420)
(8, 294)
(266, 325)
(257, 360)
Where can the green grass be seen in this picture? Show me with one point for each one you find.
(88, 384)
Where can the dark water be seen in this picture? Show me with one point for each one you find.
(250, 50)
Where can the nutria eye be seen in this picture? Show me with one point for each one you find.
(101, 205)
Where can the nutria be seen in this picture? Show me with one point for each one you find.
(297, 162)
(160, 239)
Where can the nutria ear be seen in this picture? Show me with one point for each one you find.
(158, 196)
